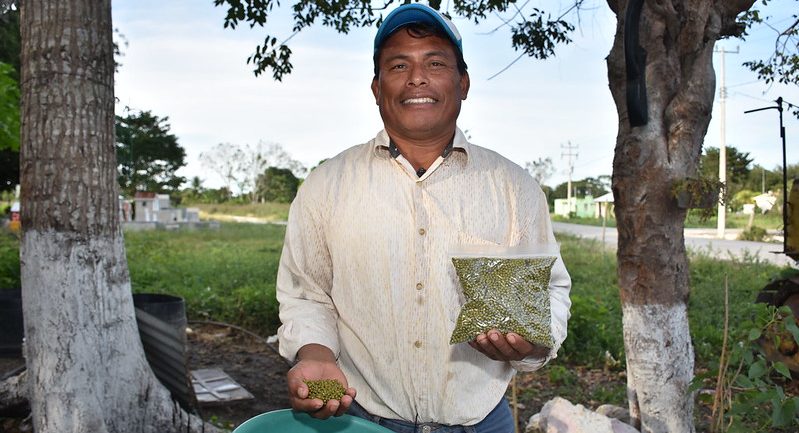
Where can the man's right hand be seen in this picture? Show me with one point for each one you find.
(317, 362)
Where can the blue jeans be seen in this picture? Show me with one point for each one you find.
(500, 420)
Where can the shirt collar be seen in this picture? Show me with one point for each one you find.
(383, 146)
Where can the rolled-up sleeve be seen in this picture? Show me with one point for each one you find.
(304, 280)
(539, 230)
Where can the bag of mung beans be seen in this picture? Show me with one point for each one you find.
(506, 289)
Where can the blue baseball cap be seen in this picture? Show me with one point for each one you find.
(416, 13)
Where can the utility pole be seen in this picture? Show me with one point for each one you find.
(722, 215)
(568, 148)
(779, 108)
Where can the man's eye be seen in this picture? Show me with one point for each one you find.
(437, 64)
(398, 66)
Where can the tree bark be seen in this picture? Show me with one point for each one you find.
(678, 37)
(86, 367)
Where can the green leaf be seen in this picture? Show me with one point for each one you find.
(757, 369)
(697, 383)
(748, 357)
(783, 413)
(705, 398)
(782, 369)
(791, 326)
(754, 334)
(744, 382)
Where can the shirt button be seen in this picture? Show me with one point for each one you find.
(419, 286)
(426, 429)
(421, 232)
(418, 344)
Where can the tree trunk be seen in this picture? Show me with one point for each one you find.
(86, 366)
(678, 37)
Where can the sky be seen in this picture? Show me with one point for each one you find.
(180, 62)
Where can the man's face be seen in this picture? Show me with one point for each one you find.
(419, 89)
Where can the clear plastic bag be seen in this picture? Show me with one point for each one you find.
(506, 289)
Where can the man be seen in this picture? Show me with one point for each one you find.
(368, 294)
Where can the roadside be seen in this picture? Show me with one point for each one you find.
(698, 240)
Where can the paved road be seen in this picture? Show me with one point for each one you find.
(701, 240)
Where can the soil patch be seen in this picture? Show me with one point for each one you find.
(246, 358)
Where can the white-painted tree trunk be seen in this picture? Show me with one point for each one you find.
(673, 45)
(85, 363)
(87, 367)
(660, 366)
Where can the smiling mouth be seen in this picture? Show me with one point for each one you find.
(419, 101)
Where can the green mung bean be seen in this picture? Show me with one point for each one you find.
(506, 294)
(325, 389)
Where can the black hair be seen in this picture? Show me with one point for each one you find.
(423, 30)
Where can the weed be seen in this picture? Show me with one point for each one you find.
(754, 233)
(9, 260)
(561, 375)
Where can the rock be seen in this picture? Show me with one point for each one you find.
(534, 425)
(561, 416)
(611, 411)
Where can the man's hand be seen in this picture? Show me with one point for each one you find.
(317, 362)
(510, 347)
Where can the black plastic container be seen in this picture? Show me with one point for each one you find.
(11, 328)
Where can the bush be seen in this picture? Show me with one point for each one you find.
(754, 233)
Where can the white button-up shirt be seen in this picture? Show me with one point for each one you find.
(366, 271)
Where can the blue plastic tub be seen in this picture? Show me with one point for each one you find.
(288, 421)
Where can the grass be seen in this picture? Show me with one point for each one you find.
(225, 275)
(9, 259)
(229, 275)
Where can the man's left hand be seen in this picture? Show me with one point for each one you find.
(507, 347)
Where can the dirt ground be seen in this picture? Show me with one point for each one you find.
(255, 365)
(249, 360)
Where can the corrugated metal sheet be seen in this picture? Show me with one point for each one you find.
(165, 349)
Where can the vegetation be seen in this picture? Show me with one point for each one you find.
(271, 212)
(754, 234)
(277, 185)
(148, 155)
(229, 275)
(769, 221)
(246, 167)
(226, 275)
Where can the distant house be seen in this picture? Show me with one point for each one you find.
(604, 205)
(152, 207)
(580, 207)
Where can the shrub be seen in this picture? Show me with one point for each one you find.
(754, 233)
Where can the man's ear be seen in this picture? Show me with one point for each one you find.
(376, 90)
(464, 85)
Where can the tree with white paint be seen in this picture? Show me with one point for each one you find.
(86, 369)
